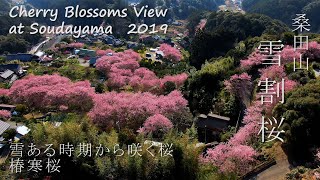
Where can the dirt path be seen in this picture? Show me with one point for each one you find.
(278, 171)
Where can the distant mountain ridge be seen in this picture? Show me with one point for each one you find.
(286, 10)
(4, 6)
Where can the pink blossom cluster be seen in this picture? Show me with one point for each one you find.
(132, 109)
(287, 55)
(177, 79)
(273, 72)
(52, 91)
(4, 114)
(123, 69)
(241, 86)
(201, 24)
(156, 123)
(313, 52)
(254, 59)
(248, 134)
(236, 155)
(253, 113)
(171, 53)
(119, 67)
(276, 73)
(236, 80)
(237, 159)
(76, 45)
(127, 59)
(145, 80)
(128, 109)
(313, 45)
(4, 92)
(104, 52)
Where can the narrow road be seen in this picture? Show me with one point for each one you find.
(34, 49)
(277, 171)
(46, 44)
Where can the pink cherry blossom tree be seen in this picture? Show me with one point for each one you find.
(241, 86)
(248, 134)
(237, 159)
(105, 62)
(201, 24)
(274, 72)
(130, 54)
(254, 59)
(178, 80)
(123, 69)
(156, 124)
(171, 53)
(236, 155)
(52, 91)
(4, 114)
(253, 113)
(132, 109)
(104, 52)
(4, 92)
(144, 80)
(313, 52)
(288, 54)
(76, 45)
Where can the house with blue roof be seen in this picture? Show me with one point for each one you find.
(23, 57)
(93, 61)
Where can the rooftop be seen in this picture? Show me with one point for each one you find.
(3, 127)
(218, 117)
(7, 106)
(6, 74)
(23, 130)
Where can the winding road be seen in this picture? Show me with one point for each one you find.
(277, 171)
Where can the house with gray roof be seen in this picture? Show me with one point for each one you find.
(10, 72)
(210, 126)
(3, 127)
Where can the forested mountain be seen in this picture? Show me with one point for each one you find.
(216, 40)
(183, 9)
(61, 3)
(4, 6)
(286, 10)
(15, 43)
